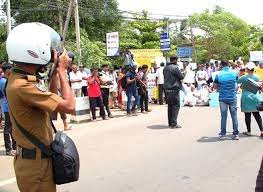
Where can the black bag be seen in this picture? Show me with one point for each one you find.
(124, 82)
(252, 86)
(65, 157)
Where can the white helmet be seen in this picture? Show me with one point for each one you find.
(250, 65)
(32, 43)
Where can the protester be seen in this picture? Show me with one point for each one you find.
(105, 87)
(259, 70)
(113, 88)
(189, 75)
(63, 116)
(249, 100)
(84, 88)
(94, 93)
(10, 144)
(160, 82)
(226, 82)
(121, 75)
(201, 77)
(131, 90)
(75, 77)
(143, 92)
(128, 58)
(189, 99)
(172, 86)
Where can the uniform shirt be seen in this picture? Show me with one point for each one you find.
(30, 105)
(227, 82)
(94, 86)
(4, 104)
(132, 86)
(75, 77)
(159, 74)
(172, 77)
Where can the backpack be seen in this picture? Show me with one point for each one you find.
(123, 82)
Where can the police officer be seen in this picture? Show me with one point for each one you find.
(30, 46)
(172, 86)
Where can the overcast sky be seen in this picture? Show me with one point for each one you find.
(249, 10)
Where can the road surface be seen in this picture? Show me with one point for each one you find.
(141, 154)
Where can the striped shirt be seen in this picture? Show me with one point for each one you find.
(227, 81)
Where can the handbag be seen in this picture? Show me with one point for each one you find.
(64, 154)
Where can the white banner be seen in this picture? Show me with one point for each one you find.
(256, 56)
(151, 84)
(112, 44)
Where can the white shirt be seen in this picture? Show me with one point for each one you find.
(201, 74)
(74, 77)
(114, 87)
(189, 76)
(105, 78)
(84, 75)
(159, 74)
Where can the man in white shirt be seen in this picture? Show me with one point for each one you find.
(76, 81)
(201, 77)
(160, 82)
(84, 84)
(113, 88)
(105, 87)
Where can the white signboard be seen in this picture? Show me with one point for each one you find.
(112, 44)
(151, 84)
(256, 56)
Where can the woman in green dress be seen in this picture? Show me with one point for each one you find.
(250, 100)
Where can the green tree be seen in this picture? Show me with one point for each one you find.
(224, 34)
(147, 30)
(3, 36)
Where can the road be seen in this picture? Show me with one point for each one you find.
(140, 154)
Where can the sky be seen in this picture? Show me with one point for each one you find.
(250, 11)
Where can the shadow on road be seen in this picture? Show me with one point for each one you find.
(216, 139)
(158, 127)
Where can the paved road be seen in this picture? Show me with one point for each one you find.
(140, 154)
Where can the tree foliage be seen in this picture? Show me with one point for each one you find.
(225, 36)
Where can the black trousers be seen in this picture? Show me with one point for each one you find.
(248, 120)
(144, 102)
(84, 90)
(173, 101)
(96, 102)
(259, 183)
(161, 93)
(105, 99)
(10, 143)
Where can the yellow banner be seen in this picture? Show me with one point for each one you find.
(146, 56)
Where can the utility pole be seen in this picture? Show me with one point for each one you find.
(77, 31)
(70, 8)
(8, 15)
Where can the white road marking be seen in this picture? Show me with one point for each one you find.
(7, 182)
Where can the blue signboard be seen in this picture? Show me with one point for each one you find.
(165, 42)
(184, 52)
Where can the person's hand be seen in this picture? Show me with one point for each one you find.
(63, 62)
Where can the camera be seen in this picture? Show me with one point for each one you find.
(53, 66)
